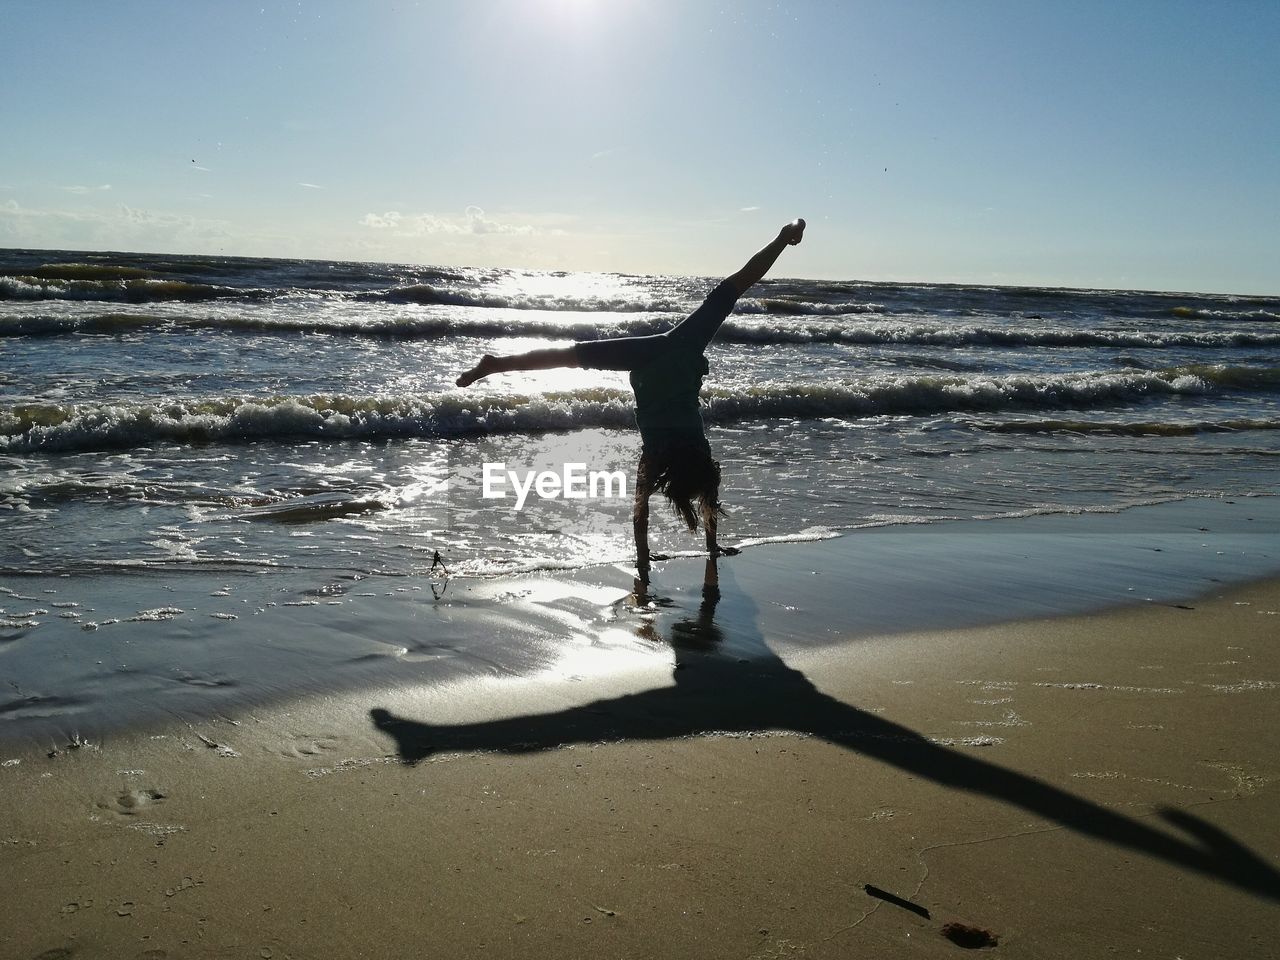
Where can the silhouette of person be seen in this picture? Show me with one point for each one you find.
(666, 374)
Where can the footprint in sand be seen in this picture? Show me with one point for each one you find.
(132, 802)
(307, 748)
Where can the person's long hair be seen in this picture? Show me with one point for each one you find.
(684, 474)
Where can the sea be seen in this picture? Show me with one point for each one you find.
(215, 421)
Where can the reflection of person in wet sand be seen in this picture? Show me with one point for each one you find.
(715, 692)
(666, 374)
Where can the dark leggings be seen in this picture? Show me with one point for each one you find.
(693, 333)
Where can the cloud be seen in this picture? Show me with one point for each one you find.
(79, 190)
(479, 223)
(122, 228)
(473, 222)
(607, 152)
(134, 215)
(381, 221)
(310, 186)
(748, 209)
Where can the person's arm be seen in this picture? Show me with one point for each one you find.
(547, 358)
(759, 265)
(713, 548)
(640, 526)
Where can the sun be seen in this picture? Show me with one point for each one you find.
(576, 13)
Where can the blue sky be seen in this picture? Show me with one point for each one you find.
(1131, 144)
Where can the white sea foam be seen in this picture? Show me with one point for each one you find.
(50, 427)
(588, 320)
(808, 534)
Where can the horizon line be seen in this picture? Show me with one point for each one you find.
(693, 276)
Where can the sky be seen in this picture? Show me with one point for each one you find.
(1130, 145)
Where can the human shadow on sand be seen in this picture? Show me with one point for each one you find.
(715, 693)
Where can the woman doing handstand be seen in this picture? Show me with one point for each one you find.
(666, 374)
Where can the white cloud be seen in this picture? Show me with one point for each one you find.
(381, 221)
(122, 228)
(310, 186)
(748, 209)
(134, 215)
(473, 222)
(83, 190)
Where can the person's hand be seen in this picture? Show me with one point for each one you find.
(792, 232)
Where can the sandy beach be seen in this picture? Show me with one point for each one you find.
(1087, 785)
(639, 481)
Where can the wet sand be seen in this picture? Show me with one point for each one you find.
(92, 656)
(1082, 785)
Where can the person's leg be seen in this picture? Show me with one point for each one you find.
(755, 268)
(621, 353)
(699, 327)
(613, 353)
(695, 331)
(545, 359)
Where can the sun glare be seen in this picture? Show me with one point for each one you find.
(574, 8)
(576, 16)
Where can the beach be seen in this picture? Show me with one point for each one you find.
(684, 774)
(583, 480)
(995, 667)
(1123, 806)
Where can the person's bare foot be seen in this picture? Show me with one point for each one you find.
(488, 364)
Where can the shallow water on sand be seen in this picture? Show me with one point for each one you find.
(84, 655)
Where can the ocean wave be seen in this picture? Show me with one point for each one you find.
(1139, 428)
(50, 325)
(801, 308)
(83, 271)
(401, 327)
(1204, 313)
(429, 294)
(27, 428)
(738, 328)
(874, 333)
(136, 290)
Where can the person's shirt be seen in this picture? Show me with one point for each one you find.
(666, 369)
(667, 389)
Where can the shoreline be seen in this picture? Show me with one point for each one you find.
(289, 642)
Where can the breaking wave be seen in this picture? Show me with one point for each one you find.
(1141, 428)
(739, 328)
(136, 290)
(75, 427)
